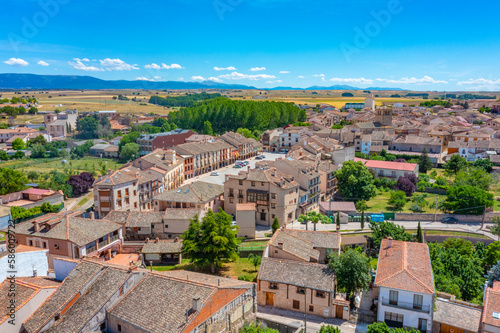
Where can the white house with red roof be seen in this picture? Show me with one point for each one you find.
(406, 285)
(386, 169)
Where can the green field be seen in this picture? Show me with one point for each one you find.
(380, 204)
(45, 165)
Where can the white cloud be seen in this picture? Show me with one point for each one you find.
(275, 81)
(197, 78)
(301, 77)
(284, 72)
(84, 59)
(215, 79)
(16, 62)
(172, 66)
(43, 63)
(253, 77)
(319, 75)
(142, 78)
(79, 65)
(230, 68)
(116, 65)
(153, 66)
(360, 80)
(256, 69)
(413, 80)
(478, 81)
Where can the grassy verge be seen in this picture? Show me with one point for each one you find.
(379, 203)
(88, 164)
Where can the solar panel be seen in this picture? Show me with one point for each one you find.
(107, 180)
(496, 315)
(186, 191)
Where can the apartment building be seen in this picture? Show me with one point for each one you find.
(406, 285)
(274, 193)
(57, 129)
(289, 137)
(70, 236)
(205, 157)
(244, 147)
(150, 142)
(306, 173)
(270, 139)
(165, 162)
(116, 191)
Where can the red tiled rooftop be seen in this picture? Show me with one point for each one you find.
(35, 191)
(492, 304)
(401, 166)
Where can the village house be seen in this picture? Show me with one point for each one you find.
(205, 157)
(386, 169)
(116, 191)
(490, 319)
(138, 225)
(244, 147)
(452, 315)
(274, 193)
(164, 252)
(405, 285)
(150, 142)
(70, 236)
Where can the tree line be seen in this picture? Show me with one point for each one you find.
(228, 115)
(182, 101)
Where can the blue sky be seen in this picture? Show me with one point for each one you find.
(417, 45)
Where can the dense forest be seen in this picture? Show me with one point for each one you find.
(229, 115)
(182, 101)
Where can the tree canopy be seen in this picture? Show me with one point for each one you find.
(183, 100)
(355, 181)
(424, 162)
(466, 199)
(455, 164)
(211, 242)
(11, 181)
(381, 230)
(87, 126)
(81, 183)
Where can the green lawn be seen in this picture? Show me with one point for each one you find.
(380, 204)
(44, 165)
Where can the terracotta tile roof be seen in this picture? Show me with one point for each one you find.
(491, 305)
(297, 273)
(401, 166)
(342, 206)
(245, 206)
(163, 246)
(294, 245)
(320, 239)
(212, 280)
(135, 219)
(405, 266)
(197, 192)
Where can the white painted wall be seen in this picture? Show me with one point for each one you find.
(62, 268)
(410, 316)
(24, 263)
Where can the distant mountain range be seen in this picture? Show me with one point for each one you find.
(47, 82)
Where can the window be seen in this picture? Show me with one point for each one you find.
(253, 184)
(422, 325)
(241, 182)
(273, 286)
(262, 184)
(394, 317)
(166, 226)
(417, 302)
(296, 304)
(393, 297)
(311, 308)
(273, 206)
(30, 243)
(320, 294)
(257, 196)
(263, 216)
(231, 192)
(273, 195)
(119, 328)
(301, 291)
(231, 200)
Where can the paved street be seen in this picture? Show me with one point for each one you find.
(229, 170)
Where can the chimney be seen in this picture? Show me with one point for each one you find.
(196, 303)
(36, 226)
(157, 240)
(147, 240)
(109, 171)
(176, 240)
(34, 271)
(389, 242)
(92, 215)
(98, 179)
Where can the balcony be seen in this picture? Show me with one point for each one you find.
(102, 244)
(114, 238)
(406, 305)
(91, 249)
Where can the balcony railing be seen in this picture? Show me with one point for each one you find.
(90, 250)
(406, 305)
(102, 244)
(113, 238)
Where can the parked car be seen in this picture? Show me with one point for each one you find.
(246, 163)
(237, 166)
(260, 157)
(450, 220)
(214, 174)
(233, 223)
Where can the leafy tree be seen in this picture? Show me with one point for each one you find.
(32, 175)
(81, 183)
(466, 199)
(493, 274)
(19, 154)
(355, 181)
(337, 220)
(211, 242)
(420, 236)
(455, 164)
(314, 217)
(407, 184)
(33, 110)
(476, 177)
(3, 155)
(88, 126)
(37, 140)
(347, 94)
(129, 151)
(352, 271)
(276, 225)
(18, 144)
(11, 181)
(37, 151)
(361, 205)
(329, 329)
(397, 200)
(128, 138)
(207, 128)
(254, 328)
(255, 260)
(183, 100)
(247, 133)
(492, 254)
(159, 122)
(424, 164)
(382, 327)
(381, 230)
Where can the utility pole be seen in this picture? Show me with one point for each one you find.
(436, 209)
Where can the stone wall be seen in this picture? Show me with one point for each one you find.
(488, 217)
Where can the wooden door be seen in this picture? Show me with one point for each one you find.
(339, 311)
(270, 299)
(450, 329)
